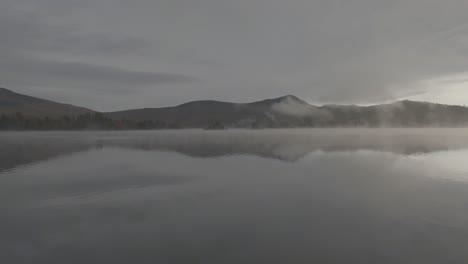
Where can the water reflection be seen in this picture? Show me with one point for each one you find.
(287, 145)
(300, 196)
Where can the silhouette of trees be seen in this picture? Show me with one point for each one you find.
(400, 114)
(88, 121)
(216, 125)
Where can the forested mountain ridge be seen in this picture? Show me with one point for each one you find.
(290, 111)
(11, 103)
(22, 112)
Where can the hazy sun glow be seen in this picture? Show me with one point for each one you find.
(452, 89)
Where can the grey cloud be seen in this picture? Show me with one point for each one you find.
(77, 71)
(171, 51)
(29, 40)
(25, 30)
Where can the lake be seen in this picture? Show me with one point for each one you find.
(235, 196)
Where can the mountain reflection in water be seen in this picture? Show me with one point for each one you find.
(237, 196)
(282, 144)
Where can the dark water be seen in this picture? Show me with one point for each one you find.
(272, 196)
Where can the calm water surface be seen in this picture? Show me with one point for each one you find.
(267, 196)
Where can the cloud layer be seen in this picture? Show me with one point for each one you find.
(111, 55)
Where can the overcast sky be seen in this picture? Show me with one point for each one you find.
(116, 54)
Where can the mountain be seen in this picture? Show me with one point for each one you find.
(290, 111)
(11, 103)
(399, 114)
(285, 111)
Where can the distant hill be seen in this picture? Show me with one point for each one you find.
(11, 103)
(290, 111)
(399, 114)
(282, 112)
(286, 111)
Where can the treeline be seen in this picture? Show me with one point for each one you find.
(88, 121)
